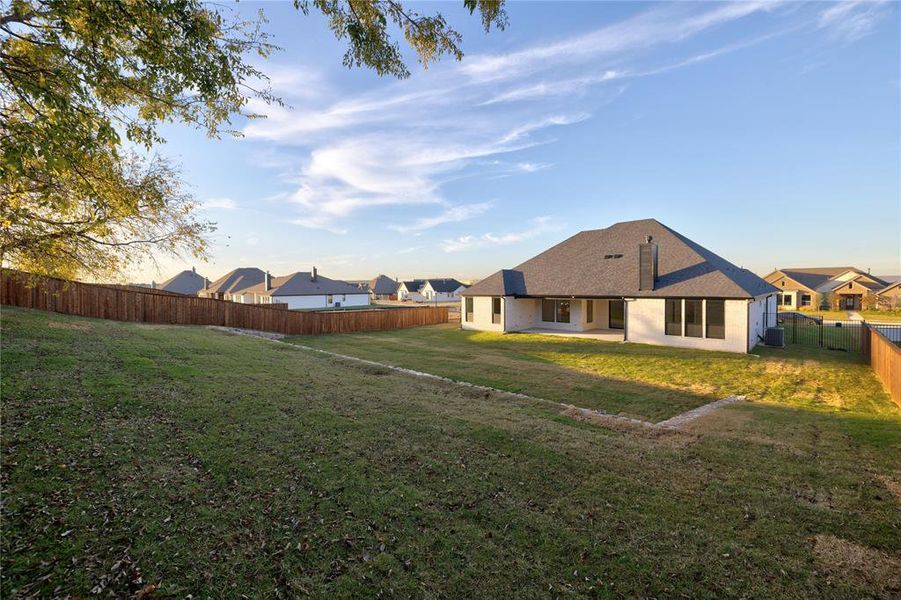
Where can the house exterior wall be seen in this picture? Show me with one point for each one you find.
(481, 314)
(404, 294)
(758, 311)
(321, 301)
(522, 313)
(518, 314)
(645, 324)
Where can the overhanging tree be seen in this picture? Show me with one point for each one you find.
(86, 84)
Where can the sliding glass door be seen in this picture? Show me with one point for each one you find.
(617, 314)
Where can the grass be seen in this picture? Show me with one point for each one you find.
(880, 316)
(883, 316)
(636, 380)
(218, 465)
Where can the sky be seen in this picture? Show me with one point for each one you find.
(767, 132)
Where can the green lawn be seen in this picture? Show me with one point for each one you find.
(636, 380)
(218, 465)
(884, 316)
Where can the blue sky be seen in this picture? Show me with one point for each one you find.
(768, 133)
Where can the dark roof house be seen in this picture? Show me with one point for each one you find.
(235, 282)
(444, 286)
(188, 283)
(637, 281)
(383, 286)
(603, 263)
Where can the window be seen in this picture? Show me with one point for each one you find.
(805, 299)
(495, 310)
(694, 318)
(547, 311)
(673, 317)
(329, 299)
(563, 311)
(468, 309)
(590, 311)
(716, 319)
(555, 311)
(343, 297)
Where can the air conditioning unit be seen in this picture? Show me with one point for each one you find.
(775, 336)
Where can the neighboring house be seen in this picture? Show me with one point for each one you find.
(639, 280)
(889, 297)
(235, 284)
(188, 283)
(838, 288)
(441, 290)
(309, 289)
(411, 290)
(383, 288)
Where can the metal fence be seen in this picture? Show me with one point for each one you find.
(833, 334)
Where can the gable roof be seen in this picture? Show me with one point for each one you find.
(444, 286)
(186, 282)
(833, 284)
(822, 279)
(604, 263)
(237, 281)
(890, 287)
(383, 285)
(414, 285)
(301, 284)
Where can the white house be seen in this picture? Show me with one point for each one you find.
(637, 281)
(301, 290)
(411, 290)
(441, 290)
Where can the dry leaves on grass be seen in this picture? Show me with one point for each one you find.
(843, 560)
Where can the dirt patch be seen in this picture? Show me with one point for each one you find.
(76, 325)
(844, 560)
(892, 485)
(671, 437)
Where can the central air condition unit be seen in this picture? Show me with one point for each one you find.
(775, 336)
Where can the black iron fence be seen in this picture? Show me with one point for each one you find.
(833, 334)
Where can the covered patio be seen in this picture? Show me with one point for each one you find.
(606, 335)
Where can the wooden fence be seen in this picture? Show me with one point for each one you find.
(105, 302)
(885, 358)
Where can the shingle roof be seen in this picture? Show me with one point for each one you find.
(822, 279)
(383, 285)
(301, 284)
(604, 262)
(414, 285)
(807, 279)
(444, 286)
(237, 281)
(186, 282)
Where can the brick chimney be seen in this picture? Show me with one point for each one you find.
(313, 276)
(267, 282)
(647, 264)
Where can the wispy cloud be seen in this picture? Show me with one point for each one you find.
(402, 143)
(650, 28)
(454, 214)
(218, 204)
(536, 227)
(853, 19)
